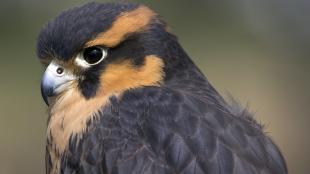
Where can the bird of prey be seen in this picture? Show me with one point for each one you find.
(124, 98)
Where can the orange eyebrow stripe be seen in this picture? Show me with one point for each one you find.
(126, 23)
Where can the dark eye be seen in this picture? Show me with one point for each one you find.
(94, 55)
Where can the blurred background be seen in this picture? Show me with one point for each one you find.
(257, 50)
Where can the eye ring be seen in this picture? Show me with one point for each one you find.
(91, 56)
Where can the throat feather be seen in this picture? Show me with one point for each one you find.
(69, 117)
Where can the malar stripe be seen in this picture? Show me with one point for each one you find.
(125, 24)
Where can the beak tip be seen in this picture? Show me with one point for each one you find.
(44, 94)
(46, 100)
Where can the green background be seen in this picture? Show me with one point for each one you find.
(257, 50)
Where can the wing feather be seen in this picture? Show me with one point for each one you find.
(162, 131)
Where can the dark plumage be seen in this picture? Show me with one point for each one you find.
(178, 123)
(66, 34)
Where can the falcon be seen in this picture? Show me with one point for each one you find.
(124, 98)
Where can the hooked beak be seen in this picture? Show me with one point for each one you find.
(54, 81)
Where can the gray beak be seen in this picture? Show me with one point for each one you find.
(54, 81)
(47, 87)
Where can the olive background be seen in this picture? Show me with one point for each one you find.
(255, 50)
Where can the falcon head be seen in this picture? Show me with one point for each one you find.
(97, 50)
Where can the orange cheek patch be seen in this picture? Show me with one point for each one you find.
(121, 76)
(126, 23)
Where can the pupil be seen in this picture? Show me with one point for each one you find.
(92, 55)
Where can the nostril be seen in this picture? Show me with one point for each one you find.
(60, 70)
